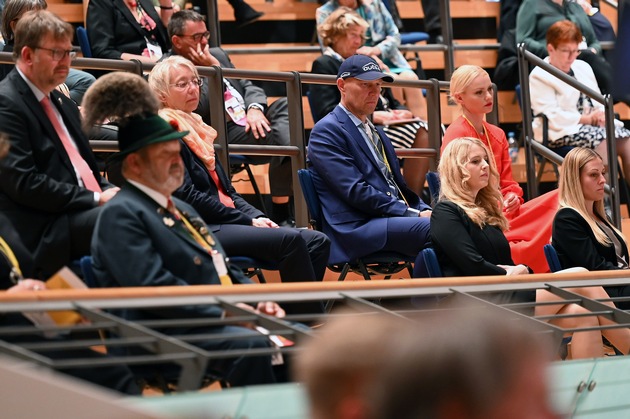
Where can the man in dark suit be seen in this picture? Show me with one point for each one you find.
(249, 119)
(50, 188)
(366, 204)
(145, 237)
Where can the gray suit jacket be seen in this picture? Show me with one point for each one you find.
(250, 92)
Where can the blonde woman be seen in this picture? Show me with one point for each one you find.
(582, 233)
(530, 223)
(467, 233)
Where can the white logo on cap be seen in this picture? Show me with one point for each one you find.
(371, 67)
(344, 74)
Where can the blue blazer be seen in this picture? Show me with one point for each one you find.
(355, 197)
(136, 243)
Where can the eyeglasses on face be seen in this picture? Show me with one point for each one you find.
(182, 85)
(59, 54)
(198, 36)
(569, 51)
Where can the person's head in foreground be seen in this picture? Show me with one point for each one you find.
(460, 363)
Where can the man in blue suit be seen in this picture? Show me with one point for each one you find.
(145, 237)
(366, 204)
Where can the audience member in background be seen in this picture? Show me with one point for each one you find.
(366, 204)
(146, 237)
(535, 17)
(467, 233)
(249, 119)
(381, 39)
(461, 363)
(51, 188)
(244, 14)
(574, 119)
(604, 31)
(77, 81)
(342, 33)
(16, 269)
(243, 230)
(582, 233)
(530, 223)
(128, 29)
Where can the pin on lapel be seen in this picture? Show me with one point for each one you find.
(168, 221)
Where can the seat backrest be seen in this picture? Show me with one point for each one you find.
(431, 263)
(311, 198)
(433, 180)
(88, 272)
(84, 42)
(552, 258)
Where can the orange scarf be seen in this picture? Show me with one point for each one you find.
(201, 137)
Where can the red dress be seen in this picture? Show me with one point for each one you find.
(530, 227)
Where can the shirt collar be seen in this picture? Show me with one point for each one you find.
(152, 193)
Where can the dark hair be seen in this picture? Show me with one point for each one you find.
(13, 11)
(34, 26)
(178, 21)
(562, 32)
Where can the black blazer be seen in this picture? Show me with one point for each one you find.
(250, 92)
(137, 243)
(38, 185)
(576, 245)
(200, 191)
(465, 249)
(112, 29)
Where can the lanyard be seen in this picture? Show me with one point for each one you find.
(16, 273)
(484, 136)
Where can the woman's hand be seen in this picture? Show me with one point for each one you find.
(515, 270)
(511, 203)
(402, 113)
(271, 309)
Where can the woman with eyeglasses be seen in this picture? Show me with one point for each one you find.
(535, 17)
(128, 29)
(574, 119)
(242, 229)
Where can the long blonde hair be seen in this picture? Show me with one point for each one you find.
(572, 195)
(486, 207)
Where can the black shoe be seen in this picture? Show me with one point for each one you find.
(249, 17)
(435, 39)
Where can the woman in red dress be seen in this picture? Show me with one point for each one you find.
(530, 223)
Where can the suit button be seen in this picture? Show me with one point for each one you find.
(197, 260)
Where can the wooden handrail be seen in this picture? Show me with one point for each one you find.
(287, 288)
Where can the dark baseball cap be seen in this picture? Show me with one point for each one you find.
(362, 67)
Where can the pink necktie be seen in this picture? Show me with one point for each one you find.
(80, 165)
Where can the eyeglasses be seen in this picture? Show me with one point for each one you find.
(59, 54)
(569, 51)
(198, 36)
(182, 85)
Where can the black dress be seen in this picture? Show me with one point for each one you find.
(465, 249)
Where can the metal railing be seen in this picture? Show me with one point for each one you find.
(161, 347)
(532, 146)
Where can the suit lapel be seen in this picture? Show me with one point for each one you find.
(38, 111)
(163, 216)
(357, 137)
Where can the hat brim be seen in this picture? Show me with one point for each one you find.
(175, 135)
(375, 75)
